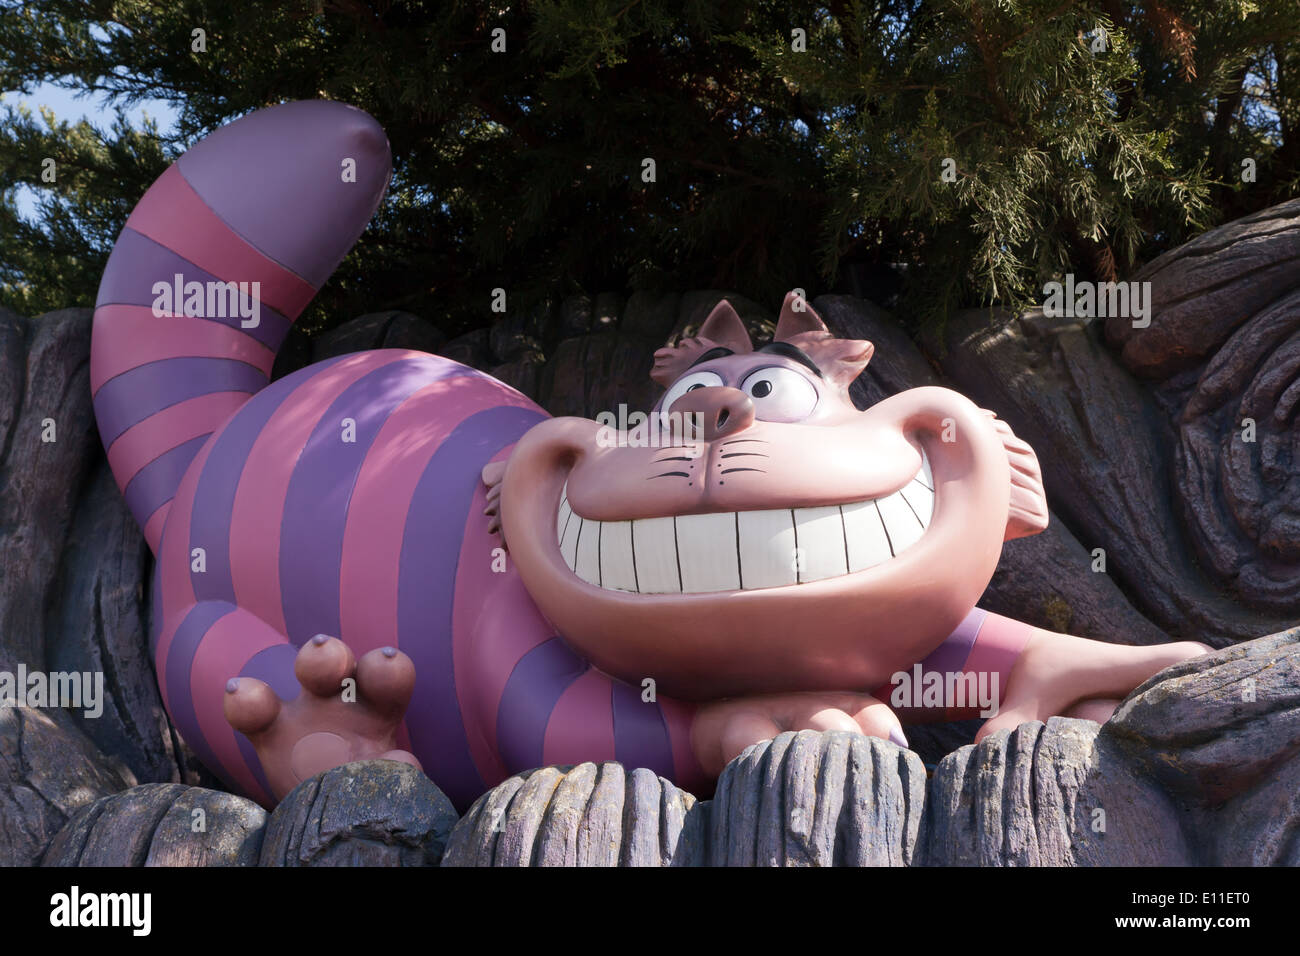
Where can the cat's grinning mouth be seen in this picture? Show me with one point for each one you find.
(744, 550)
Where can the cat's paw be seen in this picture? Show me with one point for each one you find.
(347, 710)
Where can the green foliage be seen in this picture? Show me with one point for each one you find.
(775, 168)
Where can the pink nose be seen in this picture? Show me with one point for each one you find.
(724, 411)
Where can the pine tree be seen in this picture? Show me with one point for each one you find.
(971, 149)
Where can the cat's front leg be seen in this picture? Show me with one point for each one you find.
(722, 730)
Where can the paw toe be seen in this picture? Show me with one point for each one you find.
(323, 663)
(250, 705)
(385, 678)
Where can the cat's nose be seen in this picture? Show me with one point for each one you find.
(723, 411)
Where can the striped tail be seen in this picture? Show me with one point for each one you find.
(253, 220)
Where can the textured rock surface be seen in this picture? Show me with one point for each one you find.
(99, 624)
(818, 799)
(586, 815)
(1223, 347)
(369, 813)
(1105, 448)
(161, 824)
(49, 771)
(1048, 795)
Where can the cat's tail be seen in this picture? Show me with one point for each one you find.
(214, 264)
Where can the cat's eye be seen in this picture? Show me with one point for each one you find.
(689, 383)
(780, 394)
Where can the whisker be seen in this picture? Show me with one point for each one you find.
(735, 441)
(671, 474)
(727, 471)
(745, 454)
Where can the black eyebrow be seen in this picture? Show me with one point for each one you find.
(794, 353)
(711, 354)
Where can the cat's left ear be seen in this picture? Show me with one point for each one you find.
(841, 360)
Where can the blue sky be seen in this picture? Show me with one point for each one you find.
(97, 109)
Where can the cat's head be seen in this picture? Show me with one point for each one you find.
(758, 532)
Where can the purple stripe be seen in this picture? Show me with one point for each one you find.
(435, 524)
(640, 732)
(155, 605)
(274, 667)
(180, 661)
(137, 262)
(297, 209)
(156, 483)
(214, 498)
(320, 489)
(131, 397)
(538, 680)
(950, 656)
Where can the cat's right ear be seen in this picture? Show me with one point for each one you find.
(723, 328)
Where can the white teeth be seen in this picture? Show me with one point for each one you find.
(562, 519)
(587, 565)
(744, 550)
(702, 545)
(901, 523)
(868, 543)
(654, 542)
(617, 569)
(768, 548)
(822, 551)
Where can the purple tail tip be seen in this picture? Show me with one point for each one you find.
(298, 181)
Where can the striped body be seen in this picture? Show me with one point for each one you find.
(345, 499)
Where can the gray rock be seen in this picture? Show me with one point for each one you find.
(1104, 446)
(818, 799)
(1215, 727)
(368, 813)
(49, 770)
(393, 329)
(161, 825)
(1048, 795)
(586, 815)
(469, 349)
(598, 372)
(575, 316)
(1206, 288)
(44, 385)
(99, 624)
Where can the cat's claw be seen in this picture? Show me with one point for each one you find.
(347, 710)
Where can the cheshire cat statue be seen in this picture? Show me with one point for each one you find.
(388, 554)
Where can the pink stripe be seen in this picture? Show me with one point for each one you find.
(172, 214)
(222, 653)
(127, 336)
(165, 429)
(477, 584)
(174, 564)
(153, 528)
(581, 727)
(997, 646)
(372, 538)
(259, 500)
